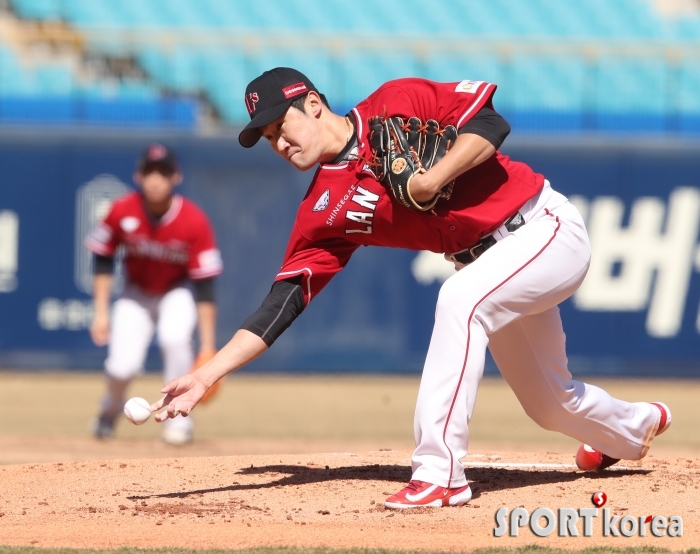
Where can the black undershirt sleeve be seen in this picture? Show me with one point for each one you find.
(204, 290)
(488, 124)
(103, 265)
(281, 307)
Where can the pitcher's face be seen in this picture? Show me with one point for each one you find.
(295, 137)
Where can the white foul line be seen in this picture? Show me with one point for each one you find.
(535, 465)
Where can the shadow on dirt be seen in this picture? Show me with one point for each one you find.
(482, 480)
(489, 479)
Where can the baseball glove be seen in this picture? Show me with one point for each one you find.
(402, 150)
(202, 358)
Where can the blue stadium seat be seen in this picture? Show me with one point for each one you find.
(361, 72)
(316, 65)
(632, 85)
(225, 78)
(689, 86)
(138, 90)
(55, 80)
(495, 18)
(550, 82)
(631, 94)
(533, 83)
(688, 28)
(39, 9)
(450, 66)
(155, 62)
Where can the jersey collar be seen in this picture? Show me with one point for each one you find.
(173, 211)
(359, 141)
(169, 216)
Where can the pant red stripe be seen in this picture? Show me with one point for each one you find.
(466, 354)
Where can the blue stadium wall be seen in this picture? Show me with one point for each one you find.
(637, 313)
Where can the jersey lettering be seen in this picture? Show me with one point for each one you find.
(153, 250)
(360, 217)
(365, 198)
(339, 205)
(368, 200)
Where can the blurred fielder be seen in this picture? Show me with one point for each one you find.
(171, 259)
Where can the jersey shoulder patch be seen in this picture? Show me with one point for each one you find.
(468, 87)
(129, 224)
(322, 202)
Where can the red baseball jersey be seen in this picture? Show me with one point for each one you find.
(158, 254)
(345, 206)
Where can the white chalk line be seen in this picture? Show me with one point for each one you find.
(534, 465)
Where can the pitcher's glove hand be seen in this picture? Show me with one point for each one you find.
(401, 150)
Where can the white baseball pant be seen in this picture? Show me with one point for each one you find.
(136, 316)
(507, 301)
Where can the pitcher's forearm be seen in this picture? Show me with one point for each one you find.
(242, 349)
(206, 314)
(469, 150)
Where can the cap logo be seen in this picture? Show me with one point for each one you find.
(157, 152)
(250, 100)
(294, 90)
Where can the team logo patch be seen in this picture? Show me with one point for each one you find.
(129, 224)
(157, 152)
(323, 201)
(294, 90)
(250, 101)
(470, 87)
(210, 259)
(398, 165)
(101, 233)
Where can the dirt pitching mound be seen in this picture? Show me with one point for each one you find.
(329, 500)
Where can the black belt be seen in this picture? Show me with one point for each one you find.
(469, 255)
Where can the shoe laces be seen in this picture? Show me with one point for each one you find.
(414, 485)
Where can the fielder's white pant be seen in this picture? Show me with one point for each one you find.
(507, 301)
(135, 318)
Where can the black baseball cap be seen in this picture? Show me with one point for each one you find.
(158, 157)
(268, 97)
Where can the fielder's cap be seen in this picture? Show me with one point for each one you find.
(158, 158)
(268, 97)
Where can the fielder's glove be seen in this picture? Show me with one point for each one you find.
(202, 358)
(401, 150)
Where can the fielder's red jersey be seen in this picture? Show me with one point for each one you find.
(160, 254)
(345, 206)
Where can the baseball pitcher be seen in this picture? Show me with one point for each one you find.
(416, 165)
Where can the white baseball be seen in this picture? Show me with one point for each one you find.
(137, 410)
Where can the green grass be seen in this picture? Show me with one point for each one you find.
(531, 549)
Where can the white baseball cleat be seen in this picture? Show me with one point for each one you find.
(665, 419)
(590, 459)
(419, 494)
(103, 427)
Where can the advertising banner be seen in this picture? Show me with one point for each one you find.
(637, 313)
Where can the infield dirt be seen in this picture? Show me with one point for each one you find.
(232, 489)
(323, 500)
